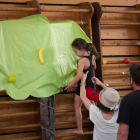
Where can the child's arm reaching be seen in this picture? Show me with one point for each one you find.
(98, 82)
(83, 97)
(78, 76)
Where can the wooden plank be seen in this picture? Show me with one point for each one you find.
(118, 32)
(71, 124)
(21, 128)
(120, 58)
(67, 131)
(72, 134)
(19, 114)
(17, 121)
(121, 87)
(123, 80)
(29, 138)
(96, 35)
(79, 137)
(17, 136)
(3, 92)
(69, 116)
(120, 23)
(125, 12)
(34, 4)
(120, 50)
(123, 93)
(114, 17)
(69, 110)
(12, 14)
(86, 17)
(60, 16)
(65, 102)
(118, 42)
(103, 2)
(16, 108)
(138, 27)
(116, 67)
(108, 2)
(19, 9)
(66, 10)
(115, 73)
(19, 102)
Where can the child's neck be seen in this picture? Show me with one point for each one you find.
(86, 53)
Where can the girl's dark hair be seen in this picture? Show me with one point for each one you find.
(80, 43)
(103, 108)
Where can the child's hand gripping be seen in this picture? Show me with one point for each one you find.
(98, 82)
(68, 88)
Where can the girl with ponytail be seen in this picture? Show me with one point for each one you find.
(87, 63)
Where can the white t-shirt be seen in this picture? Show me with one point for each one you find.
(103, 129)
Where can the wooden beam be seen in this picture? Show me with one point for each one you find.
(69, 110)
(138, 27)
(19, 102)
(17, 136)
(29, 138)
(45, 9)
(125, 23)
(96, 37)
(119, 62)
(115, 73)
(86, 17)
(20, 127)
(19, 9)
(34, 4)
(118, 32)
(72, 134)
(120, 50)
(124, 12)
(118, 42)
(103, 2)
(68, 124)
(117, 84)
(19, 114)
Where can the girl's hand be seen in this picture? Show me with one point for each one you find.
(69, 88)
(84, 77)
(98, 82)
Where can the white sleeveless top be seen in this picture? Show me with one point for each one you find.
(103, 129)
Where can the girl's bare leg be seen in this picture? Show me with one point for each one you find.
(78, 115)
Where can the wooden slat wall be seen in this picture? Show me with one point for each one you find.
(118, 42)
(103, 2)
(16, 120)
(25, 126)
(4, 15)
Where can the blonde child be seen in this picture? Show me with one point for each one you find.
(86, 63)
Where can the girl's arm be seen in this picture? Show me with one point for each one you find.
(78, 76)
(94, 62)
(98, 82)
(95, 65)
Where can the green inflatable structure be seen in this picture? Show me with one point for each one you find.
(20, 42)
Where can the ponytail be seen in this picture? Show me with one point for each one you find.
(92, 49)
(80, 43)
